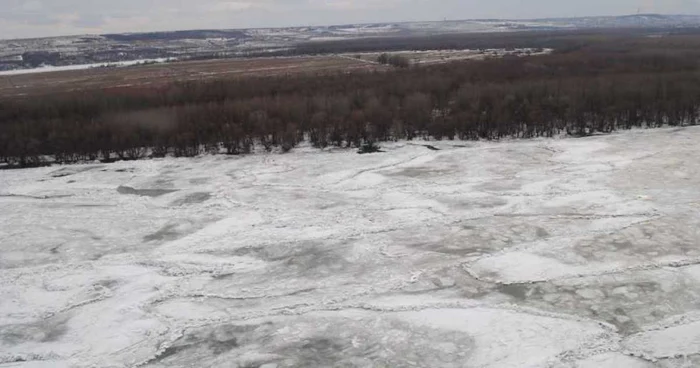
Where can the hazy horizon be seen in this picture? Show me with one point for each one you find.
(36, 18)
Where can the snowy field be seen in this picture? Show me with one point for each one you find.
(116, 64)
(539, 253)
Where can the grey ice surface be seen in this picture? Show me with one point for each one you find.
(540, 253)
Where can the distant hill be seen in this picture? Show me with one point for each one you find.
(207, 44)
(176, 35)
(636, 20)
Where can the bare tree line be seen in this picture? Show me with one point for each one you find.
(598, 87)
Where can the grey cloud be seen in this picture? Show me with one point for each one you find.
(89, 21)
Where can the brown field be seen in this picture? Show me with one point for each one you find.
(159, 74)
(154, 75)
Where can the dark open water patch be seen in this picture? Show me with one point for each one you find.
(168, 232)
(144, 192)
(193, 198)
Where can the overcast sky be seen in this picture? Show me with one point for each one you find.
(33, 18)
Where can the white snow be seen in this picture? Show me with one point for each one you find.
(508, 339)
(613, 360)
(683, 340)
(51, 68)
(535, 253)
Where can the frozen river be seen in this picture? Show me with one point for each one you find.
(538, 253)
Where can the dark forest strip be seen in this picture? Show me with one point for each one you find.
(598, 85)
